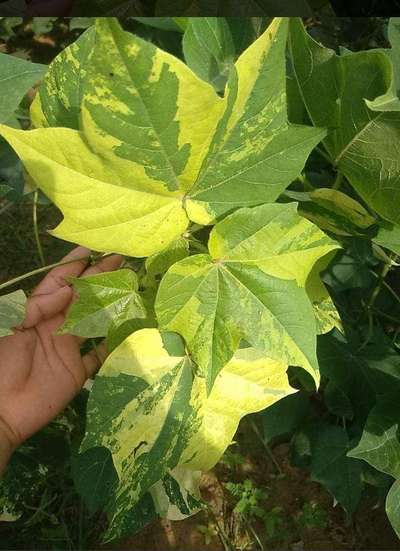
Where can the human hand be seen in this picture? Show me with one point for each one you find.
(40, 372)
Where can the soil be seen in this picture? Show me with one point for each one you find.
(368, 529)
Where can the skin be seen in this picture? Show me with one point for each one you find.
(40, 371)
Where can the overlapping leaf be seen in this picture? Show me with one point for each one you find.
(17, 76)
(146, 159)
(12, 311)
(362, 143)
(250, 286)
(105, 301)
(150, 410)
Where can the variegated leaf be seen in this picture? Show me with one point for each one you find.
(152, 412)
(250, 286)
(58, 101)
(254, 147)
(105, 301)
(146, 159)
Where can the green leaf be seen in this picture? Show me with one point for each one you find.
(138, 189)
(17, 76)
(58, 101)
(105, 301)
(393, 506)
(285, 416)
(94, 477)
(330, 466)
(361, 143)
(379, 444)
(209, 49)
(12, 311)
(388, 236)
(334, 211)
(246, 289)
(150, 410)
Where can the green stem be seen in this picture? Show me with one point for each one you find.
(36, 229)
(338, 181)
(43, 269)
(377, 289)
(267, 448)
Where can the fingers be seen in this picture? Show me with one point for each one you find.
(54, 294)
(44, 307)
(57, 277)
(93, 360)
(107, 264)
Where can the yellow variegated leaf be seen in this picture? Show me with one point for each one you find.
(250, 286)
(104, 208)
(249, 383)
(150, 410)
(326, 314)
(255, 153)
(158, 147)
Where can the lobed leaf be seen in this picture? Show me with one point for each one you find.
(250, 286)
(152, 412)
(145, 159)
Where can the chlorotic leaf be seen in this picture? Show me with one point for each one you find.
(138, 189)
(115, 212)
(58, 101)
(254, 145)
(246, 289)
(249, 382)
(140, 410)
(12, 311)
(362, 143)
(334, 211)
(152, 412)
(17, 76)
(104, 302)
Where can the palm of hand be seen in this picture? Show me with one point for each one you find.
(40, 371)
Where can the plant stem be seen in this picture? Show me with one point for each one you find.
(36, 229)
(43, 269)
(374, 295)
(338, 181)
(267, 448)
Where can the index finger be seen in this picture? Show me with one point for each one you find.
(76, 262)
